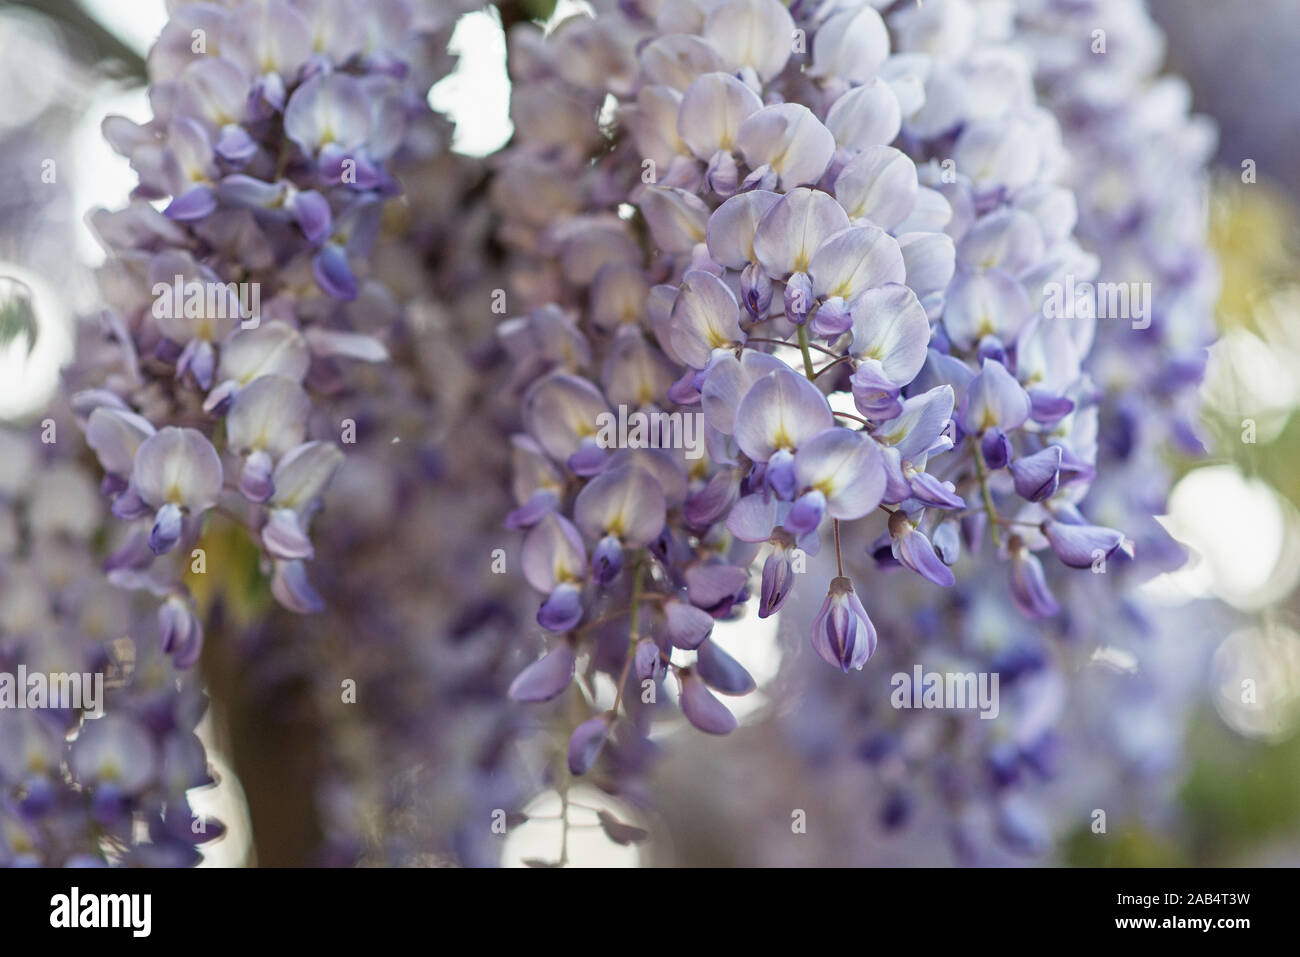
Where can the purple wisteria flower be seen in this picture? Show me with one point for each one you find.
(273, 134)
(96, 765)
(782, 221)
(842, 633)
(219, 391)
(1062, 419)
(837, 259)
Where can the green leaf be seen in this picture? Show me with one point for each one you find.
(17, 317)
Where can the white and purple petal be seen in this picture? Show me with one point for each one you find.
(179, 467)
(788, 139)
(879, 185)
(553, 553)
(705, 317)
(711, 112)
(854, 260)
(780, 411)
(625, 502)
(889, 324)
(846, 467)
(794, 228)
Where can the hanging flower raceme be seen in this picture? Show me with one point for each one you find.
(1063, 410)
(216, 391)
(236, 312)
(97, 742)
(775, 231)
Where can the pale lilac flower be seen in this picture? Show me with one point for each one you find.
(911, 547)
(890, 326)
(722, 672)
(786, 146)
(180, 631)
(842, 633)
(840, 473)
(778, 575)
(1081, 546)
(560, 412)
(266, 419)
(751, 36)
(555, 563)
(705, 317)
(586, 743)
(878, 185)
(780, 411)
(1028, 584)
(178, 473)
(701, 708)
(995, 400)
(115, 751)
(116, 436)
(685, 625)
(547, 677)
(622, 508)
(1038, 476)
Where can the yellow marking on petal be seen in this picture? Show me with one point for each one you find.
(562, 573)
(778, 161)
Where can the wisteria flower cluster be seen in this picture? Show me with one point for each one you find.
(74, 791)
(773, 181)
(238, 306)
(1092, 696)
(216, 393)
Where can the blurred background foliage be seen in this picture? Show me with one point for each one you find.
(1243, 796)
(1240, 796)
